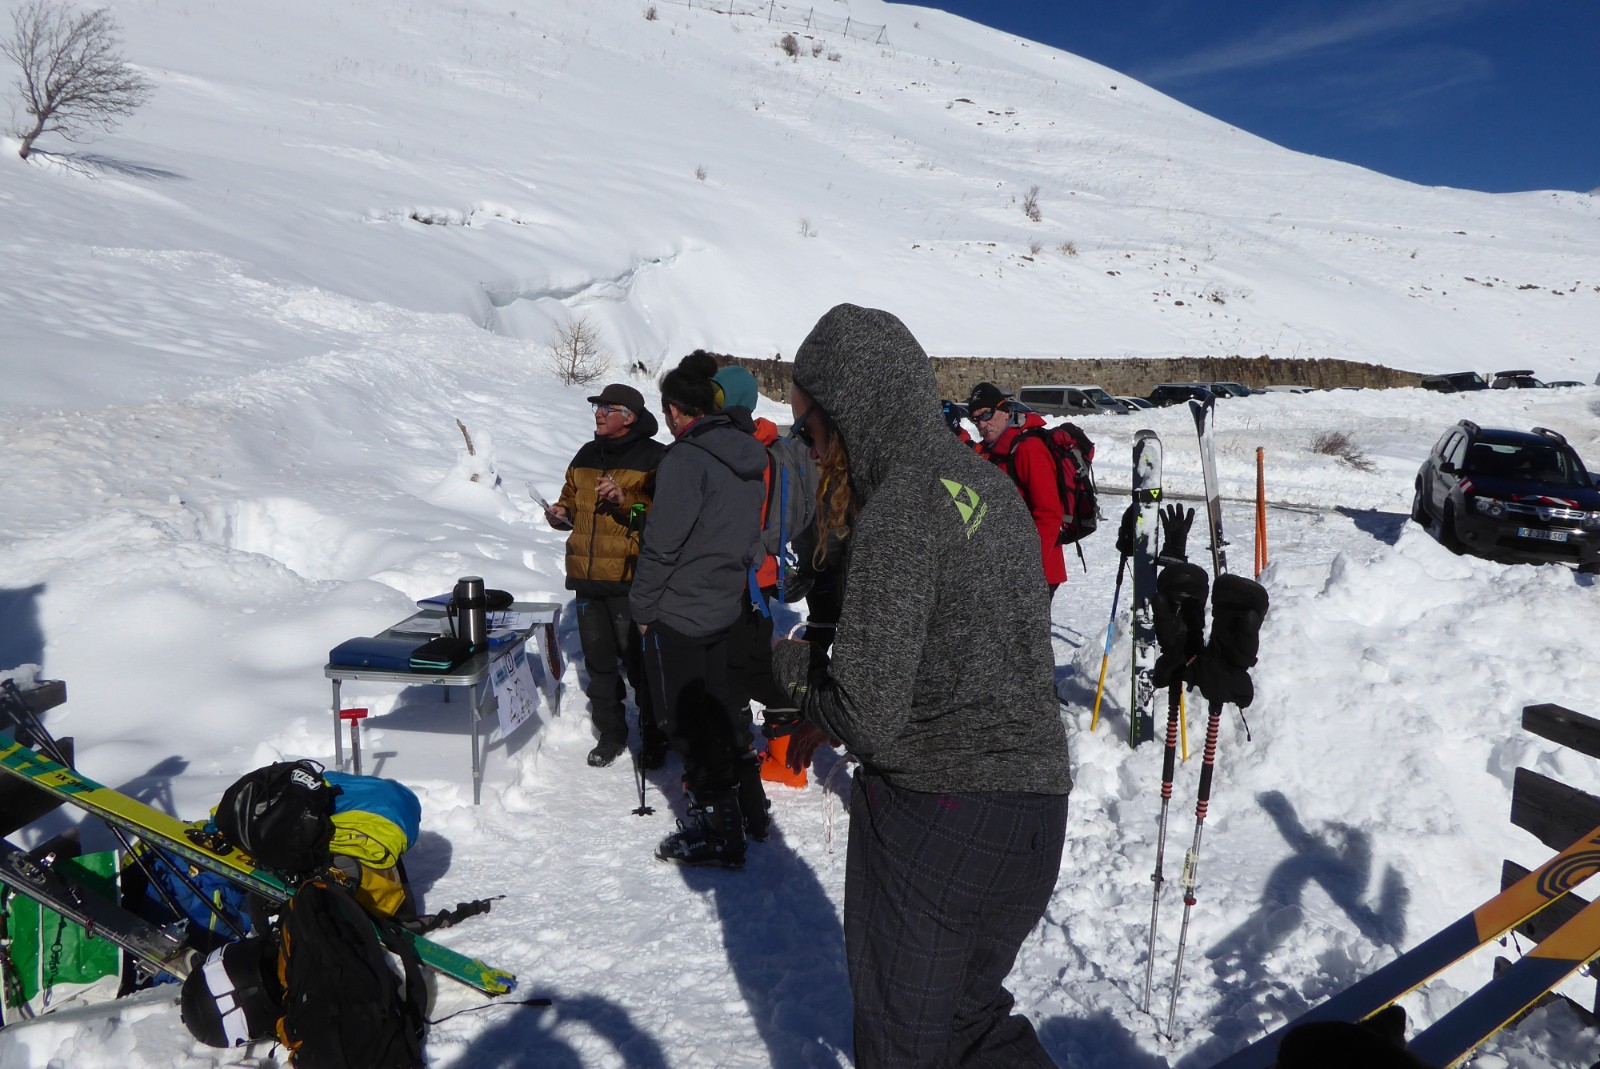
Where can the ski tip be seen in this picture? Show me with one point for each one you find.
(498, 982)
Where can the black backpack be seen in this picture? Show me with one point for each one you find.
(354, 994)
(280, 815)
(1073, 454)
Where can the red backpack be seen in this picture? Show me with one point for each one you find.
(1073, 454)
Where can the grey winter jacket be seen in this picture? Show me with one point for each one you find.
(942, 676)
(704, 530)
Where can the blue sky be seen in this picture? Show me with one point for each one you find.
(1494, 95)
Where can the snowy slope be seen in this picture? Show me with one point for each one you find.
(234, 356)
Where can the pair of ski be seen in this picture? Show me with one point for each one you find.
(1147, 496)
(174, 836)
(1455, 1035)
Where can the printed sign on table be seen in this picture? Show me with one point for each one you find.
(517, 688)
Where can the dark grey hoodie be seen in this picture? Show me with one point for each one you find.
(704, 529)
(943, 677)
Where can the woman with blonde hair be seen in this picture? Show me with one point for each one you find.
(941, 683)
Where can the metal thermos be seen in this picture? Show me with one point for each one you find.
(472, 618)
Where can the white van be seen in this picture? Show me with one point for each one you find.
(1070, 401)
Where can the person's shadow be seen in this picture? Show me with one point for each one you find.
(785, 945)
(22, 639)
(1340, 862)
(544, 1036)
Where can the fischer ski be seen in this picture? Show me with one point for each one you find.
(1490, 1008)
(1204, 412)
(1147, 497)
(55, 886)
(173, 835)
(1494, 918)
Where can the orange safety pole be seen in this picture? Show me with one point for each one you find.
(1261, 510)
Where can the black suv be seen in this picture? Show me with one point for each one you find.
(1455, 382)
(1510, 495)
(1175, 393)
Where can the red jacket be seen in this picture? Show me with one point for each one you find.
(1029, 463)
(766, 433)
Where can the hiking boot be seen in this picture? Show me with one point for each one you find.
(714, 835)
(653, 753)
(605, 752)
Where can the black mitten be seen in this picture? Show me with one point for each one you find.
(1175, 523)
(1127, 530)
(1179, 608)
(1222, 670)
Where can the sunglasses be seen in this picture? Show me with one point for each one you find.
(800, 429)
(981, 415)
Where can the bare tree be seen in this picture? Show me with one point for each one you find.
(1030, 204)
(73, 77)
(575, 354)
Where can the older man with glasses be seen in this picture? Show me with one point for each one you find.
(603, 502)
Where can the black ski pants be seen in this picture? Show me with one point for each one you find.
(606, 631)
(750, 670)
(940, 891)
(689, 686)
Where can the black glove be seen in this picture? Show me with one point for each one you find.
(1175, 523)
(1127, 530)
(1222, 670)
(1179, 604)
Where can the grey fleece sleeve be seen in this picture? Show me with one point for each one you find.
(864, 700)
(667, 526)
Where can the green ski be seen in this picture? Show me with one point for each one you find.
(173, 835)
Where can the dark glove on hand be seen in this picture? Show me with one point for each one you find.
(791, 667)
(1175, 523)
(1127, 530)
(1179, 605)
(1222, 671)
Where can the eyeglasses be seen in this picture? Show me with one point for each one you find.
(608, 410)
(803, 432)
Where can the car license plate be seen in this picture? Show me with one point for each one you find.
(1543, 536)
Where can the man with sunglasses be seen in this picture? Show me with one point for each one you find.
(1027, 459)
(603, 502)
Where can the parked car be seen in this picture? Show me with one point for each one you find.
(1134, 402)
(1230, 389)
(1515, 380)
(1288, 388)
(1455, 382)
(1071, 400)
(1509, 495)
(1174, 393)
(1561, 384)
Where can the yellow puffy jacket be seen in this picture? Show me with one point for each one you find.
(604, 544)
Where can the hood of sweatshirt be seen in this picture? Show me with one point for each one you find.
(728, 438)
(876, 384)
(644, 426)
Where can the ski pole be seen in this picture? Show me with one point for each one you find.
(1174, 699)
(638, 770)
(1111, 631)
(1191, 860)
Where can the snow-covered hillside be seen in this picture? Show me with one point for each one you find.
(236, 335)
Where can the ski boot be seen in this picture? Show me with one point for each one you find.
(713, 835)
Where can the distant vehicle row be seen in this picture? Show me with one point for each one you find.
(1467, 381)
(1093, 400)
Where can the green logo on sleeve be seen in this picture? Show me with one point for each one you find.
(967, 502)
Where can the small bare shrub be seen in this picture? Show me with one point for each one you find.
(650, 13)
(790, 46)
(700, 172)
(574, 353)
(1030, 204)
(833, 57)
(73, 77)
(816, 49)
(805, 229)
(1338, 444)
(1069, 248)
(1033, 248)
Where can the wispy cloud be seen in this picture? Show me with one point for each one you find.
(1286, 41)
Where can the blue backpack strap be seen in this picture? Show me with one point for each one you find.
(757, 599)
